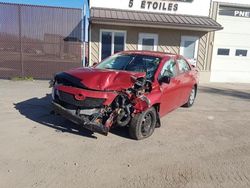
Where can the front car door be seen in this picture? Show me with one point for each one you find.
(170, 92)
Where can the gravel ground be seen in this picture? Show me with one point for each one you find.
(205, 146)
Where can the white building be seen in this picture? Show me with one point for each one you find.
(179, 26)
(186, 27)
(231, 48)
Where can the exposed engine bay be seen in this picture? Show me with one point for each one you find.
(97, 110)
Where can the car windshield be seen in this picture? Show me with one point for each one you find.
(132, 62)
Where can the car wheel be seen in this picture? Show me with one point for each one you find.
(191, 98)
(143, 124)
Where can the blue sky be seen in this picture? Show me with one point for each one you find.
(58, 3)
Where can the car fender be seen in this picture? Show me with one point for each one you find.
(146, 101)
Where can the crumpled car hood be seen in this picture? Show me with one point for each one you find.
(103, 79)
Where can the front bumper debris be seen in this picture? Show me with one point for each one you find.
(83, 121)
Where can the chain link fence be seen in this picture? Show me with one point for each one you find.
(38, 41)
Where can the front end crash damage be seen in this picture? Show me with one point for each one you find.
(96, 110)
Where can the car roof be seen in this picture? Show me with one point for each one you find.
(149, 53)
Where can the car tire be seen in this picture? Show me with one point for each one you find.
(143, 125)
(191, 98)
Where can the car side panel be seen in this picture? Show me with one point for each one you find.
(187, 81)
(186, 84)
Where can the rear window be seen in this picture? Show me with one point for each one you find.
(183, 66)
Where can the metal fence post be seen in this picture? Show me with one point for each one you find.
(20, 37)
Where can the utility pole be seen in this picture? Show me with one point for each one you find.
(83, 33)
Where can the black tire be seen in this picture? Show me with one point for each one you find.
(143, 125)
(191, 98)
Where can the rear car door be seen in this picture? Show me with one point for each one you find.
(185, 78)
(170, 91)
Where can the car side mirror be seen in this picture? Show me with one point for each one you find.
(94, 64)
(165, 79)
(193, 66)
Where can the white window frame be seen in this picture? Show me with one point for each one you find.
(112, 40)
(148, 36)
(184, 38)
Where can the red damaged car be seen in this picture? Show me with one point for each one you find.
(133, 88)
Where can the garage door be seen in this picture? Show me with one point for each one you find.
(231, 53)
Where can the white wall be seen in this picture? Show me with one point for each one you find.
(197, 7)
(235, 35)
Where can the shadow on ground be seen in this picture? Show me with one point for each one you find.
(39, 110)
(226, 92)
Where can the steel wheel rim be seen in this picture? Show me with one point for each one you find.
(192, 96)
(146, 126)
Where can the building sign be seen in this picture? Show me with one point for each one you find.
(184, 7)
(234, 11)
(161, 5)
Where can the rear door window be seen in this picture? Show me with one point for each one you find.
(183, 65)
